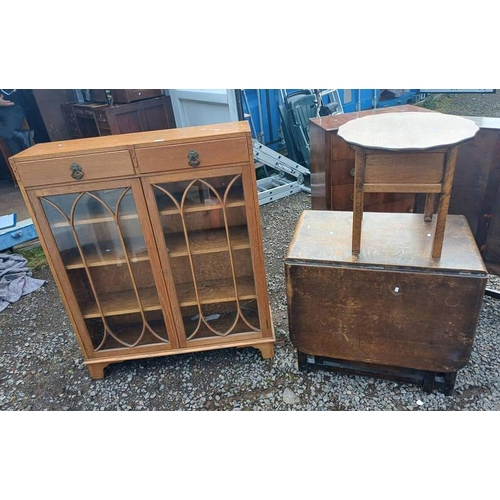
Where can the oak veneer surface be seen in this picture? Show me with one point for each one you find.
(138, 139)
(476, 184)
(388, 239)
(138, 255)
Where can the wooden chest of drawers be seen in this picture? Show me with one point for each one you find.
(140, 116)
(124, 96)
(70, 118)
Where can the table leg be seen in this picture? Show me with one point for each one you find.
(357, 215)
(430, 201)
(444, 201)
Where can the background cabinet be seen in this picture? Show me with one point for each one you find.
(92, 119)
(139, 116)
(154, 240)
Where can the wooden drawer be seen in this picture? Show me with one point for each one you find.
(101, 117)
(90, 166)
(205, 154)
(343, 172)
(340, 149)
(409, 168)
(82, 111)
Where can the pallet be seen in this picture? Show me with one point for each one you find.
(444, 382)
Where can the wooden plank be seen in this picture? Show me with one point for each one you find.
(214, 291)
(402, 188)
(208, 241)
(123, 302)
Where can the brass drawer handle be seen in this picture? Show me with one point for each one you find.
(193, 158)
(351, 197)
(352, 172)
(76, 171)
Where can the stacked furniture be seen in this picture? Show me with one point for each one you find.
(475, 192)
(402, 297)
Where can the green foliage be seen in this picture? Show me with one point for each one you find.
(442, 103)
(35, 257)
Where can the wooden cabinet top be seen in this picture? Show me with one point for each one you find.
(134, 140)
(331, 123)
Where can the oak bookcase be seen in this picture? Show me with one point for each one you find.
(153, 239)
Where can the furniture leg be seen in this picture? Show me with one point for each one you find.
(97, 370)
(444, 201)
(428, 382)
(267, 350)
(357, 216)
(430, 201)
(302, 362)
(449, 383)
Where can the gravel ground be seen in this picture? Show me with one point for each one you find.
(465, 104)
(41, 365)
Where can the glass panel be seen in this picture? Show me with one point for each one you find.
(100, 240)
(124, 330)
(205, 230)
(221, 319)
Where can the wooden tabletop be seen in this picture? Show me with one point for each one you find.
(397, 240)
(408, 131)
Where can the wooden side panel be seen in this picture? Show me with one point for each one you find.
(492, 246)
(49, 104)
(476, 180)
(319, 167)
(343, 199)
(423, 321)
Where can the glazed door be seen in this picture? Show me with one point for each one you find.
(203, 227)
(110, 273)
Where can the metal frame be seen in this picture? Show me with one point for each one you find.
(277, 186)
